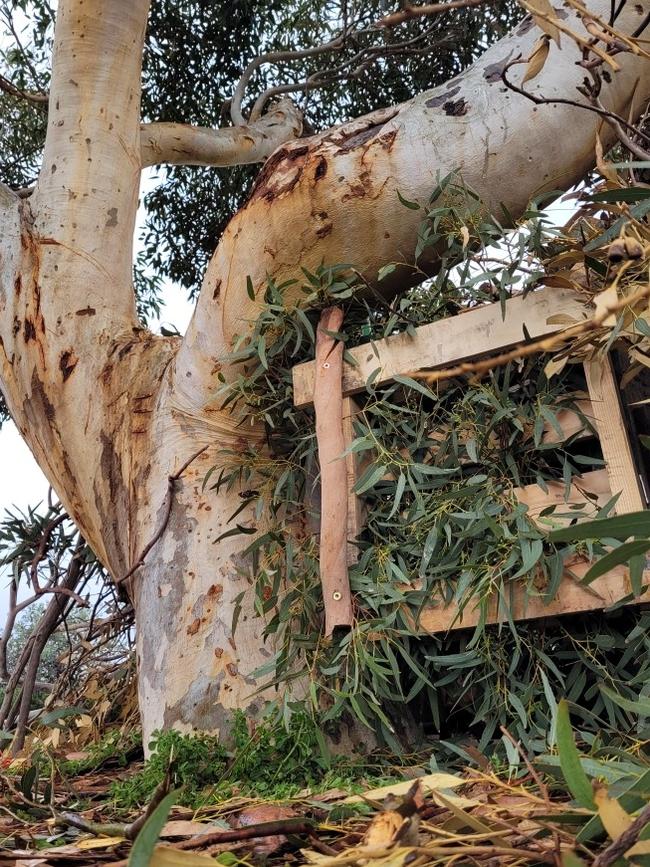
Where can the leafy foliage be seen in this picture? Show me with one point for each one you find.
(270, 761)
(441, 469)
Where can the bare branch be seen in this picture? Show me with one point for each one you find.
(353, 67)
(42, 548)
(55, 611)
(349, 69)
(274, 57)
(180, 144)
(40, 100)
(410, 12)
(595, 107)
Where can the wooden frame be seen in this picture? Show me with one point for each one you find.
(485, 331)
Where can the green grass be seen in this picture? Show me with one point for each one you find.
(275, 761)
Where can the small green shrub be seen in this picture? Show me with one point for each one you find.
(275, 761)
(194, 761)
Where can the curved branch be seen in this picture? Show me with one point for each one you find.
(334, 197)
(596, 107)
(40, 100)
(274, 57)
(352, 67)
(180, 144)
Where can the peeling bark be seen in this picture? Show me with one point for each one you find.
(111, 411)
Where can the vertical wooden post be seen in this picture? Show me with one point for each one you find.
(613, 435)
(328, 407)
(356, 511)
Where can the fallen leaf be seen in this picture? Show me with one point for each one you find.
(99, 842)
(641, 847)
(614, 818)
(187, 828)
(429, 783)
(167, 856)
(265, 813)
(329, 795)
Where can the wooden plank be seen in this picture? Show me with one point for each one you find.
(595, 483)
(471, 334)
(571, 597)
(612, 432)
(570, 423)
(356, 508)
(328, 408)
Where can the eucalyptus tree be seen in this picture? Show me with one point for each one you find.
(123, 422)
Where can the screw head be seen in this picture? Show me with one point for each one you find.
(336, 595)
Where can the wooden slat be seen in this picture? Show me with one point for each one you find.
(611, 425)
(330, 437)
(570, 423)
(571, 597)
(471, 334)
(595, 483)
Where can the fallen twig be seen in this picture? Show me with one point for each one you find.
(299, 825)
(626, 840)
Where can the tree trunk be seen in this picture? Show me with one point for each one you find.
(112, 412)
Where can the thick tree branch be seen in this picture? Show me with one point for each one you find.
(334, 198)
(179, 144)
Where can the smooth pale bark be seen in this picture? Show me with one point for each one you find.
(112, 411)
(179, 144)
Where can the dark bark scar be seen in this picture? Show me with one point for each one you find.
(29, 331)
(67, 363)
(437, 101)
(321, 169)
(455, 108)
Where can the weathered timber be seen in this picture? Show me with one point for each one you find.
(476, 332)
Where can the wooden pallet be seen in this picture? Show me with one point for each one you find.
(483, 331)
